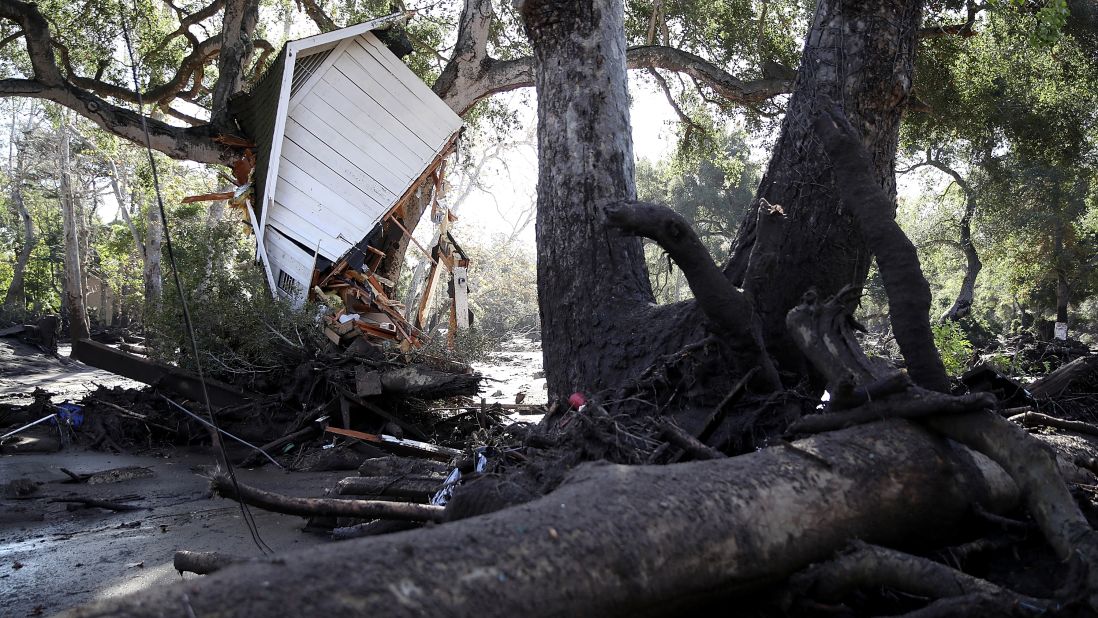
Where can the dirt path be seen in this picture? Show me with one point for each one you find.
(53, 559)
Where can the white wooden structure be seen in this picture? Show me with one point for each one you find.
(344, 133)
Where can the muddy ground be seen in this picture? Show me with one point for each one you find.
(54, 556)
(23, 367)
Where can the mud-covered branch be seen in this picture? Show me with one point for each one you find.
(725, 306)
(314, 507)
(908, 291)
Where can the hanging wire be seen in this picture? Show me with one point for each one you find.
(249, 519)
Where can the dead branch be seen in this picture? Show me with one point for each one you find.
(693, 447)
(324, 507)
(205, 562)
(1036, 419)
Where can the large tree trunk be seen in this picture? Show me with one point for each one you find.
(859, 54)
(74, 276)
(16, 295)
(238, 30)
(585, 163)
(962, 304)
(624, 540)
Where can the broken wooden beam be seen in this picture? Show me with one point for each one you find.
(157, 374)
(400, 445)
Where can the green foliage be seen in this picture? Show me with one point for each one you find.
(243, 335)
(712, 192)
(953, 345)
(502, 287)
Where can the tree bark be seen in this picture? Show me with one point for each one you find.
(237, 45)
(16, 295)
(622, 540)
(74, 277)
(585, 164)
(962, 304)
(860, 54)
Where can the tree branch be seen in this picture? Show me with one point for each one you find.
(488, 76)
(725, 306)
(907, 288)
(319, 17)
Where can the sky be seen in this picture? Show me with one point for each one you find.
(510, 185)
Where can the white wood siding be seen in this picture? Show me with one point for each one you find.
(355, 137)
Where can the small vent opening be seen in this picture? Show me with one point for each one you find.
(286, 283)
(305, 67)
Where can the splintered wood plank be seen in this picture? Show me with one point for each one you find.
(461, 297)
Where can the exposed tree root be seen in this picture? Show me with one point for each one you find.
(917, 403)
(618, 540)
(866, 566)
(1047, 498)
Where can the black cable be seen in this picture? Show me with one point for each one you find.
(246, 514)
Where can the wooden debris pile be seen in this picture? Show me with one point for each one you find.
(361, 307)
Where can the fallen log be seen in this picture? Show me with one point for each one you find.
(618, 540)
(323, 507)
(204, 562)
(427, 383)
(411, 489)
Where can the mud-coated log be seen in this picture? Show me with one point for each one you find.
(617, 540)
(427, 383)
(204, 562)
(323, 507)
(411, 489)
